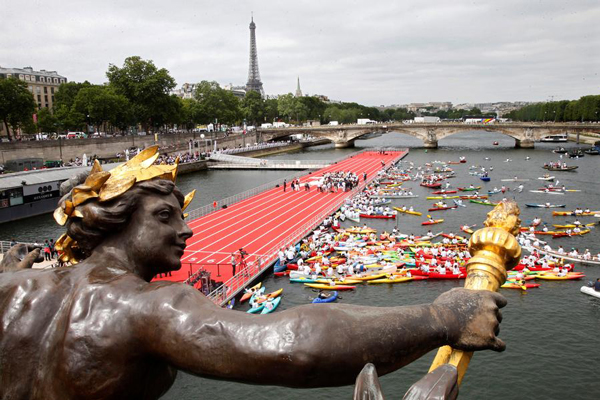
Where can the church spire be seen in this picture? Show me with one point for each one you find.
(298, 91)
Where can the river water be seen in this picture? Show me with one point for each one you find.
(552, 333)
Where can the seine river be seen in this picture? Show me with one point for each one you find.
(552, 333)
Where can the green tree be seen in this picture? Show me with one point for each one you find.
(67, 92)
(147, 89)
(16, 104)
(101, 105)
(253, 108)
(271, 110)
(46, 121)
(216, 103)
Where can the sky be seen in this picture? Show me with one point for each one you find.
(371, 52)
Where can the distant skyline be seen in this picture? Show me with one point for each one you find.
(373, 53)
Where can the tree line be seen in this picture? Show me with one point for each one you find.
(140, 94)
(587, 108)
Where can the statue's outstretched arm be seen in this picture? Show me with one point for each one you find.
(312, 345)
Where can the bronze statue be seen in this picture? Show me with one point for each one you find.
(21, 256)
(101, 330)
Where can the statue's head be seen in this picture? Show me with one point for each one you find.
(137, 203)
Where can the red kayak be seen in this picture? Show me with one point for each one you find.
(432, 185)
(445, 192)
(443, 208)
(435, 275)
(378, 216)
(437, 221)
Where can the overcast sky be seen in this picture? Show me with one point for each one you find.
(372, 52)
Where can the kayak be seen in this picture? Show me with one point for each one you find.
(569, 276)
(266, 297)
(458, 204)
(329, 287)
(482, 196)
(256, 310)
(590, 291)
(485, 203)
(469, 189)
(572, 226)
(514, 180)
(571, 168)
(432, 185)
(250, 292)
(269, 308)
(442, 197)
(435, 221)
(565, 234)
(545, 206)
(510, 285)
(407, 211)
(445, 192)
(546, 192)
(467, 229)
(435, 275)
(572, 213)
(443, 208)
(279, 267)
(546, 178)
(398, 279)
(330, 299)
(366, 278)
(378, 216)
(485, 178)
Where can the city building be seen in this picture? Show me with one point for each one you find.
(186, 92)
(42, 85)
(238, 91)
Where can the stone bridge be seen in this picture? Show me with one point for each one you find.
(525, 134)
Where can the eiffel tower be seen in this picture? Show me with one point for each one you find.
(254, 82)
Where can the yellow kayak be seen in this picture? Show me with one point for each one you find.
(399, 279)
(337, 282)
(572, 226)
(365, 278)
(266, 297)
(407, 211)
(441, 197)
(329, 287)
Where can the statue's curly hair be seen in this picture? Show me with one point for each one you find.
(103, 219)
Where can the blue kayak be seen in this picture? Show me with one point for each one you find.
(256, 310)
(330, 299)
(273, 305)
(485, 178)
(279, 267)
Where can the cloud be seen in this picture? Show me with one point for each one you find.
(377, 52)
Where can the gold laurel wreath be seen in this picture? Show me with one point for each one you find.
(105, 186)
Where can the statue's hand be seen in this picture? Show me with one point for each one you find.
(472, 318)
(21, 256)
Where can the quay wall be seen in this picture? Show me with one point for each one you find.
(67, 149)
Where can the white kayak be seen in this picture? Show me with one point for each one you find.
(590, 291)
(543, 191)
(515, 180)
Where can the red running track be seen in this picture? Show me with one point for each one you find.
(261, 222)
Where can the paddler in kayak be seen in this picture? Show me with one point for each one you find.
(597, 285)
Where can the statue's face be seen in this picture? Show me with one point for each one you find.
(157, 233)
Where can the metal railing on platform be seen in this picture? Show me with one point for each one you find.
(238, 282)
(218, 204)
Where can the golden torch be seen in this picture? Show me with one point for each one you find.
(494, 250)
